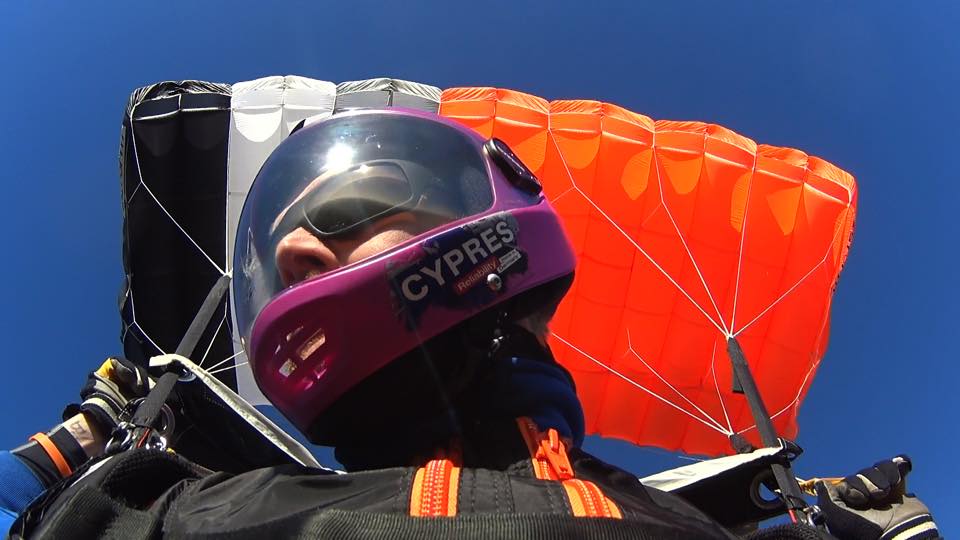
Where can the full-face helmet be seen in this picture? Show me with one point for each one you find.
(478, 232)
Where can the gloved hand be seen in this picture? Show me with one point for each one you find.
(873, 504)
(108, 391)
(59, 452)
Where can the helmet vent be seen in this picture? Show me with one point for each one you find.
(302, 351)
(310, 346)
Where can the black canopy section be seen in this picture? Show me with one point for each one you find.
(173, 182)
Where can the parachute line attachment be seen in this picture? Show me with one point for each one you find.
(227, 368)
(786, 481)
(213, 338)
(743, 236)
(686, 248)
(836, 234)
(632, 351)
(712, 424)
(716, 385)
(224, 361)
(642, 251)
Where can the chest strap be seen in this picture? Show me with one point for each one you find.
(548, 454)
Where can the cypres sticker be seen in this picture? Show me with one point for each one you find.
(455, 267)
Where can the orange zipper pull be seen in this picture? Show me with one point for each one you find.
(553, 450)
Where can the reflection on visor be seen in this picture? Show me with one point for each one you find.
(342, 203)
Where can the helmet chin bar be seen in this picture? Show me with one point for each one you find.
(438, 372)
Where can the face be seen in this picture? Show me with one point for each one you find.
(300, 255)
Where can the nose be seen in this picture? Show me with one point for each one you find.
(301, 255)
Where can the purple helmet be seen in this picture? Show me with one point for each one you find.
(486, 234)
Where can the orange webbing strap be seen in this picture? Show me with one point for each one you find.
(53, 453)
(435, 489)
(548, 453)
(587, 500)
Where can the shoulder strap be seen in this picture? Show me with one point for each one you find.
(436, 484)
(114, 495)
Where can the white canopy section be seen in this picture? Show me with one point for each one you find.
(263, 112)
(374, 93)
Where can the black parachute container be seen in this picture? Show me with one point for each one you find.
(173, 170)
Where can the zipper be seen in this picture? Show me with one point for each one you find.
(434, 492)
(587, 500)
(548, 454)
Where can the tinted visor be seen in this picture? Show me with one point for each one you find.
(339, 177)
(342, 202)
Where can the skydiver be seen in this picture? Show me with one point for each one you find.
(393, 280)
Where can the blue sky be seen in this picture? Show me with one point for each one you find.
(867, 86)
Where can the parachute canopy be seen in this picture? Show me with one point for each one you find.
(687, 234)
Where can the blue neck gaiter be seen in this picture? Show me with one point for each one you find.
(519, 386)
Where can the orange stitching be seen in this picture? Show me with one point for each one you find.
(452, 491)
(434, 490)
(595, 503)
(416, 493)
(576, 501)
(432, 503)
(613, 508)
(588, 499)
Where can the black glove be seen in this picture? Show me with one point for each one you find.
(873, 504)
(108, 391)
(59, 452)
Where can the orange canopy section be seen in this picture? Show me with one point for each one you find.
(686, 234)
